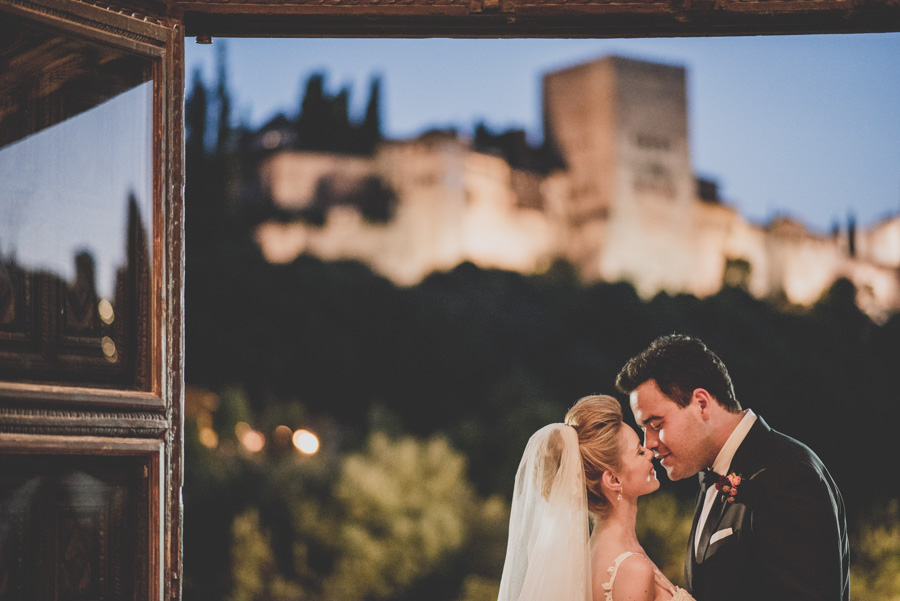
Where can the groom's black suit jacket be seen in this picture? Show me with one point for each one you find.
(788, 538)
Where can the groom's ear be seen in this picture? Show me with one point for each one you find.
(704, 400)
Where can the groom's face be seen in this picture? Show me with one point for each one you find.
(675, 435)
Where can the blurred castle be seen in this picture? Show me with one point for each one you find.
(611, 191)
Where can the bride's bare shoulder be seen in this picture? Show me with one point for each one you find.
(635, 580)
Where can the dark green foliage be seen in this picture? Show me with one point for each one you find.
(488, 356)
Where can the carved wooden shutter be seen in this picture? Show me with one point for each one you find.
(90, 301)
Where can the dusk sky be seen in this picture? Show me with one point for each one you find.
(65, 189)
(807, 126)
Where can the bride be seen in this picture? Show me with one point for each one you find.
(592, 465)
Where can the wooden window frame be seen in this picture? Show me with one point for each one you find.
(533, 18)
(150, 451)
(160, 42)
(50, 419)
(55, 419)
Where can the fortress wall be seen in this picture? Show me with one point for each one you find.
(625, 208)
(878, 288)
(428, 177)
(581, 242)
(646, 246)
(488, 182)
(291, 178)
(496, 230)
(585, 248)
(805, 266)
(344, 235)
(881, 243)
(748, 242)
(707, 243)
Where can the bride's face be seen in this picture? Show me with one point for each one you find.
(637, 475)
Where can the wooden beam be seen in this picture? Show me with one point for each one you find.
(534, 18)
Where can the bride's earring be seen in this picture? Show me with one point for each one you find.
(619, 497)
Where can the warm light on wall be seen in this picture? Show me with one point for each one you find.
(306, 442)
(627, 207)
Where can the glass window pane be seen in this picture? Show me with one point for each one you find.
(73, 527)
(76, 196)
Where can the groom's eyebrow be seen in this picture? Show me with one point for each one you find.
(649, 419)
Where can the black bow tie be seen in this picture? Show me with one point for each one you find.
(708, 477)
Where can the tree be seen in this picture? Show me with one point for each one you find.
(663, 527)
(875, 572)
(370, 130)
(405, 503)
(251, 558)
(223, 99)
(195, 112)
(313, 120)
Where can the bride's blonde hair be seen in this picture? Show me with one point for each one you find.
(598, 421)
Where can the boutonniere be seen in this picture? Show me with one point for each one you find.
(728, 487)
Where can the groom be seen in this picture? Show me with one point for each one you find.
(769, 521)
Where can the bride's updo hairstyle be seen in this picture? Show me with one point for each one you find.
(598, 420)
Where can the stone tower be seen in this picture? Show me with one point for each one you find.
(620, 127)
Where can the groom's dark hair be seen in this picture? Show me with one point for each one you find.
(680, 364)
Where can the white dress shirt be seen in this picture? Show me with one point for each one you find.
(721, 466)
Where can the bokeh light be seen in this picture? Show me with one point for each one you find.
(306, 442)
(106, 312)
(282, 436)
(209, 438)
(249, 438)
(109, 349)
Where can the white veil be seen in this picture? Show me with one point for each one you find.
(548, 554)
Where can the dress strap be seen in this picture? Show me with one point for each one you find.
(612, 573)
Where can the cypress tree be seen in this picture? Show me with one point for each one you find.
(312, 126)
(223, 100)
(195, 118)
(338, 124)
(370, 130)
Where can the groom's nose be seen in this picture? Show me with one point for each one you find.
(651, 439)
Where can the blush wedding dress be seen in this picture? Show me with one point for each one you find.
(678, 593)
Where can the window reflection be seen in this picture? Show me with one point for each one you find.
(76, 195)
(72, 527)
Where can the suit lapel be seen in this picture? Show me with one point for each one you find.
(692, 562)
(698, 508)
(747, 456)
(716, 513)
(742, 463)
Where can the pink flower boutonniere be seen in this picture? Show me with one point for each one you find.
(728, 487)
